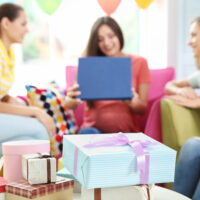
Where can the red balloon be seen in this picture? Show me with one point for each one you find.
(109, 6)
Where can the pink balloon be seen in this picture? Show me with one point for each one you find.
(109, 6)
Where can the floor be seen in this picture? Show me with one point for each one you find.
(77, 196)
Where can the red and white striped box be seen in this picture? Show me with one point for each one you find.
(3, 182)
(62, 190)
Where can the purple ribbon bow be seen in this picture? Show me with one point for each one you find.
(121, 139)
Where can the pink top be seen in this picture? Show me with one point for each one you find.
(115, 116)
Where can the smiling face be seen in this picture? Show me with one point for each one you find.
(194, 40)
(108, 42)
(15, 30)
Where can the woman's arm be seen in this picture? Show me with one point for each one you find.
(140, 99)
(181, 87)
(42, 116)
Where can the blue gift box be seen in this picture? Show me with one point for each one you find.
(112, 166)
(105, 78)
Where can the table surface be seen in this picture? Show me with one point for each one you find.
(160, 193)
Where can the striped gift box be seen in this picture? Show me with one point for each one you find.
(62, 190)
(114, 164)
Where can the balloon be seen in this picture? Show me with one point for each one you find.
(109, 6)
(143, 3)
(49, 6)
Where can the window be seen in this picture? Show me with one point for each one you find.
(57, 40)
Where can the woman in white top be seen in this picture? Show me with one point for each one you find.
(17, 122)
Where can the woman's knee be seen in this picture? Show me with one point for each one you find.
(89, 130)
(191, 148)
(14, 127)
(41, 133)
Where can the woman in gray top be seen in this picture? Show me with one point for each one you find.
(187, 174)
(183, 90)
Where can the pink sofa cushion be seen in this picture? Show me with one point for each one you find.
(70, 78)
(151, 121)
(159, 78)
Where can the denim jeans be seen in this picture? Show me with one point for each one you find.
(187, 174)
(14, 127)
(89, 130)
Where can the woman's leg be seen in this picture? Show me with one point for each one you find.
(13, 127)
(187, 172)
(89, 130)
(196, 195)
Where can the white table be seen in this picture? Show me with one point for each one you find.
(160, 193)
(166, 194)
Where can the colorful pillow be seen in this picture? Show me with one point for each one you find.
(52, 101)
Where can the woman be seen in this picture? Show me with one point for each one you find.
(183, 90)
(187, 174)
(106, 39)
(17, 121)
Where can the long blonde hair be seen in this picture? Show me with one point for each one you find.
(197, 59)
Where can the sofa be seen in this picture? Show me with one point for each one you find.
(178, 123)
(150, 123)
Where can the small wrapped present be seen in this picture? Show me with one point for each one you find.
(3, 182)
(22, 190)
(12, 155)
(39, 168)
(113, 160)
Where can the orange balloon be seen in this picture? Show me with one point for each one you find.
(143, 3)
(109, 6)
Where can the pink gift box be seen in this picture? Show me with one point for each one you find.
(13, 151)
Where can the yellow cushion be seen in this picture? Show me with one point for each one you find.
(60, 165)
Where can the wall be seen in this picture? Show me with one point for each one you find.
(154, 33)
(165, 32)
(188, 10)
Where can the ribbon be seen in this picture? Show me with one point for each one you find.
(48, 158)
(121, 139)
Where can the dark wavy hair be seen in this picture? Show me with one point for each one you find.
(92, 48)
(10, 10)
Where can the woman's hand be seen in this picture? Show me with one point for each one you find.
(187, 92)
(71, 101)
(135, 96)
(46, 120)
(181, 88)
(139, 101)
(186, 102)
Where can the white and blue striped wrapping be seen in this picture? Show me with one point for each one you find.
(114, 166)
